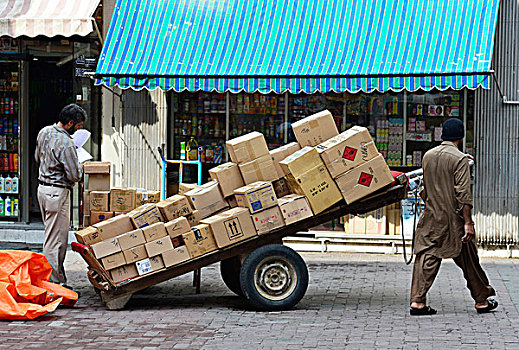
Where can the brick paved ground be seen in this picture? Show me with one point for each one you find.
(356, 301)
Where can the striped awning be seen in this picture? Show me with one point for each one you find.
(299, 45)
(46, 17)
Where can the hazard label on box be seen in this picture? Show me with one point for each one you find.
(349, 153)
(365, 179)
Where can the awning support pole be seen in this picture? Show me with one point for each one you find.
(97, 31)
(504, 99)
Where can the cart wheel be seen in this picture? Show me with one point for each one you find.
(274, 277)
(230, 270)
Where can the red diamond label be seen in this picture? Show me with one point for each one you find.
(365, 179)
(349, 153)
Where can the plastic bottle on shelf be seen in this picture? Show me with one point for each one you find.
(2, 183)
(209, 153)
(14, 187)
(7, 205)
(15, 207)
(8, 187)
(194, 126)
(192, 149)
(2, 206)
(15, 162)
(182, 151)
(11, 162)
(15, 126)
(217, 127)
(218, 154)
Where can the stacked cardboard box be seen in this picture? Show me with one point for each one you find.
(207, 199)
(97, 181)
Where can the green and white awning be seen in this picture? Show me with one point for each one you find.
(299, 46)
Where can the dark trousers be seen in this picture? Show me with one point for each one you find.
(426, 267)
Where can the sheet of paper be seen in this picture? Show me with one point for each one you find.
(83, 155)
(80, 137)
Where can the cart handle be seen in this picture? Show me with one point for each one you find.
(78, 247)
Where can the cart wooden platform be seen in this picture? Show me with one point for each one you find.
(268, 274)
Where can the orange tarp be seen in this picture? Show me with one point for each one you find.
(25, 290)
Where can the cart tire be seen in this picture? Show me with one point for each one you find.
(274, 277)
(230, 271)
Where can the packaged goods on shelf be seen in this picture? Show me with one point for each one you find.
(154, 231)
(247, 147)
(158, 246)
(96, 167)
(364, 179)
(228, 177)
(177, 227)
(268, 220)
(256, 196)
(174, 207)
(281, 153)
(131, 239)
(315, 129)
(135, 253)
(114, 226)
(88, 236)
(194, 218)
(281, 187)
(260, 169)
(145, 215)
(231, 226)
(98, 182)
(199, 240)
(175, 256)
(124, 273)
(106, 247)
(98, 216)
(347, 150)
(207, 199)
(294, 208)
(99, 200)
(122, 199)
(113, 261)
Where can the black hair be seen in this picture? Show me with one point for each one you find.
(72, 112)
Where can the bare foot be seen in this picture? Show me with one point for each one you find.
(482, 305)
(417, 305)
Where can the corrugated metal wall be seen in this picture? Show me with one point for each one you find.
(144, 119)
(496, 188)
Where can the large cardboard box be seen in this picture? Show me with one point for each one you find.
(247, 147)
(184, 187)
(112, 261)
(105, 248)
(154, 231)
(122, 199)
(177, 227)
(228, 177)
(98, 182)
(294, 208)
(281, 187)
(318, 187)
(231, 226)
(301, 161)
(98, 216)
(175, 256)
(145, 215)
(194, 218)
(135, 254)
(124, 273)
(364, 179)
(347, 150)
(268, 220)
(114, 227)
(88, 236)
(174, 207)
(315, 129)
(99, 200)
(158, 246)
(256, 196)
(281, 153)
(207, 199)
(131, 239)
(96, 167)
(199, 240)
(260, 169)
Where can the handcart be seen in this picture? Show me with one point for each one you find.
(261, 269)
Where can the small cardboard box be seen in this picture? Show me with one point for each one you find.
(114, 227)
(177, 227)
(175, 256)
(294, 208)
(96, 167)
(154, 231)
(199, 240)
(145, 215)
(99, 200)
(318, 187)
(156, 262)
(112, 261)
(98, 216)
(228, 177)
(256, 196)
(281, 153)
(124, 273)
(247, 147)
(231, 226)
(347, 150)
(301, 161)
(364, 179)
(98, 182)
(194, 218)
(153, 196)
(88, 236)
(261, 169)
(131, 239)
(281, 187)
(105, 248)
(268, 220)
(158, 246)
(122, 199)
(174, 207)
(315, 129)
(183, 188)
(135, 254)
(207, 199)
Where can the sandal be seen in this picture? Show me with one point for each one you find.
(424, 311)
(492, 304)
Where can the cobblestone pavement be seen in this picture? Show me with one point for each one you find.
(356, 301)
